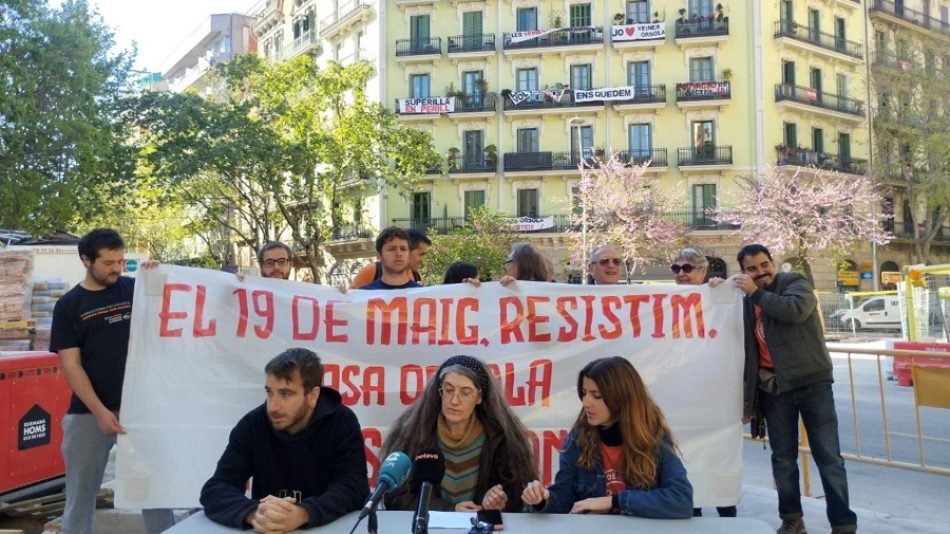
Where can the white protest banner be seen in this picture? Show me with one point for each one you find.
(520, 37)
(518, 97)
(201, 338)
(413, 106)
(604, 94)
(529, 224)
(637, 32)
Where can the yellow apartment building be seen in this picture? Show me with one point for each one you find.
(516, 93)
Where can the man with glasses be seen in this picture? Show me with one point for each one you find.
(275, 259)
(605, 265)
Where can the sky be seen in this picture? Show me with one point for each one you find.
(159, 26)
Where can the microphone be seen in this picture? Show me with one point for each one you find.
(392, 474)
(428, 468)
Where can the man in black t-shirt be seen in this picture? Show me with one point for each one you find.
(91, 334)
(392, 249)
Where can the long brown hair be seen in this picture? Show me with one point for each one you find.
(529, 262)
(642, 425)
(416, 428)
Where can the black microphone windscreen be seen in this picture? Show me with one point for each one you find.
(428, 466)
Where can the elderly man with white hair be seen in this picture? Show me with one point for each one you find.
(604, 266)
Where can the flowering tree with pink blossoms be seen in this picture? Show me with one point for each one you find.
(627, 209)
(807, 212)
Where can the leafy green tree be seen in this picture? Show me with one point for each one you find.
(912, 133)
(281, 147)
(61, 150)
(483, 241)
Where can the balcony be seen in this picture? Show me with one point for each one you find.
(638, 35)
(304, 44)
(691, 95)
(809, 100)
(644, 97)
(348, 14)
(701, 31)
(802, 157)
(430, 108)
(445, 225)
(472, 45)
(884, 59)
(553, 101)
(656, 157)
(563, 40)
(475, 164)
(413, 50)
(700, 220)
(705, 157)
(350, 231)
(810, 39)
(548, 161)
(909, 18)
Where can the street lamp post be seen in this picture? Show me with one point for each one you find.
(575, 125)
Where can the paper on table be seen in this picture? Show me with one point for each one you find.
(450, 520)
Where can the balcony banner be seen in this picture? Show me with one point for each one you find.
(417, 106)
(520, 37)
(518, 97)
(604, 94)
(700, 89)
(529, 224)
(200, 340)
(638, 32)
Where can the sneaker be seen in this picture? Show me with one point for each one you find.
(792, 526)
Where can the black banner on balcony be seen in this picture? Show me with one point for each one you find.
(410, 106)
(637, 32)
(699, 89)
(604, 94)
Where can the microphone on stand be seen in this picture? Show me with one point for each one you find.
(392, 473)
(428, 468)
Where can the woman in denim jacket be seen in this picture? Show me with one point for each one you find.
(619, 457)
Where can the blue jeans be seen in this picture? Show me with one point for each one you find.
(816, 404)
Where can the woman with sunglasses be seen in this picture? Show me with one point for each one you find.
(488, 460)
(619, 456)
(690, 267)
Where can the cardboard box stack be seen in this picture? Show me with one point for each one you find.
(16, 268)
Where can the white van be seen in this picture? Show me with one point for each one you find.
(876, 313)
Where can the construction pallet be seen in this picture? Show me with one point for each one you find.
(13, 325)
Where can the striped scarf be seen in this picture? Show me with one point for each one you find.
(461, 460)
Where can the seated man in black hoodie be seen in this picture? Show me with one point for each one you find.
(302, 447)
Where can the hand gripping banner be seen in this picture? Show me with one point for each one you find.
(200, 340)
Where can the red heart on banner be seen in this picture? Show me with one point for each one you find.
(631, 30)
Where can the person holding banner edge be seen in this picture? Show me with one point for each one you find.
(392, 250)
(795, 374)
(488, 460)
(303, 449)
(690, 267)
(619, 456)
(90, 332)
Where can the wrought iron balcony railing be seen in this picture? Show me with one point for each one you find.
(897, 9)
(787, 28)
(711, 90)
(804, 157)
(563, 37)
(814, 97)
(704, 155)
(639, 156)
(472, 43)
(418, 47)
(702, 27)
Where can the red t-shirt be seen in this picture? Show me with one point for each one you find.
(765, 356)
(612, 458)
